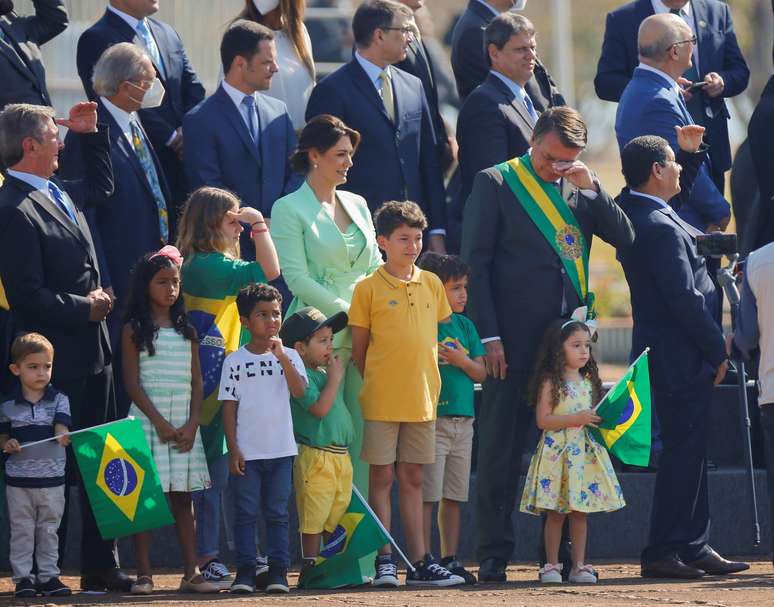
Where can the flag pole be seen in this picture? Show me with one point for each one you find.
(387, 533)
(615, 385)
(45, 440)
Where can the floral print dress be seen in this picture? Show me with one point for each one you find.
(570, 470)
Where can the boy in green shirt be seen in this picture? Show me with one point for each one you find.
(322, 472)
(460, 362)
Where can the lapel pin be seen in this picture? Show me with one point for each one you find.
(702, 23)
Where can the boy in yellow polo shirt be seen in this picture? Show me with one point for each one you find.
(394, 318)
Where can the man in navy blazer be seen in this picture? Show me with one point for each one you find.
(238, 138)
(717, 59)
(652, 104)
(129, 21)
(397, 157)
(674, 304)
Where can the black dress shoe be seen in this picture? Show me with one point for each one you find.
(492, 570)
(117, 581)
(670, 567)
(714, 564)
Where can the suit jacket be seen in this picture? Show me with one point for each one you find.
(21, 65)
(673, 299)
(394, 161)
(48, 265)
(718, 52)
(313, 254)
(517, 284)
(471, 64)
(492, 127)
(649, 106)
(762, 150)
(126, 224)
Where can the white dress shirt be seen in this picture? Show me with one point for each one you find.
(123, 118)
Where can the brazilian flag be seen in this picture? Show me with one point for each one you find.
(120, 478)
(625, 411)
(358, 534)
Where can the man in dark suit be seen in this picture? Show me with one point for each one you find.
(134, 219)
(519, 283)
(652, 104)
(762, 151)
(21, 66)
(397, 157)
(129, 21)
(497, 118)
(717, 61)
(49, 268)
(240, 139)
(674, 306)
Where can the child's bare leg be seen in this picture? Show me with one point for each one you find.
(380, 479)
(410, 500)
(180, 503)
(142, 553)
(578, 529)
(310, 544)
(427, 521)
(449, 526)
(552, 533)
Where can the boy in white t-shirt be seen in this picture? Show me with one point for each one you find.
(255, 387)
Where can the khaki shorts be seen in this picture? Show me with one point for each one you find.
(449, 476)
(323, 483)
(389, 442)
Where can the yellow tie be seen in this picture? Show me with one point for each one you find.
(387, 98)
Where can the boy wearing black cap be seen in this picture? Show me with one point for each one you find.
(323, 429)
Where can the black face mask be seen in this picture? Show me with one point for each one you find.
(6, 6)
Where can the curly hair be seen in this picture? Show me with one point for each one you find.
(550, 363)
(138, 314)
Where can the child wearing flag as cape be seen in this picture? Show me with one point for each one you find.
(570, 473)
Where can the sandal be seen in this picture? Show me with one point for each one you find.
(143, 585)
(196, 583)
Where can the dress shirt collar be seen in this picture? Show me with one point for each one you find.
(659, 7)
(131, 21)
(236, 95)
(39, 183)
(372, 70)
(123, 118)
(489, 6)
(517, 90)
(660, 201)
(672, 82)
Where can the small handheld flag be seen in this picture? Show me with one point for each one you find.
(625, 411)
(120, 478)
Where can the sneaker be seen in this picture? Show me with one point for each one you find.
(261, 572)
(197, 584)
(25, 589)
(278, 581)
(245, 580)
(306, 571)
(455, 567)
(583, 575)
(143, 585)
(386, 572)
(429, 573)
(217, 573)
(551, 574)
(53, 587)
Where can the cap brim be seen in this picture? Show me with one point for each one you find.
(337, 322)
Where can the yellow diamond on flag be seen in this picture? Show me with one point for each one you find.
(120, 477)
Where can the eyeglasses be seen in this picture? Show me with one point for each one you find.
(405, 30)
(692, 40)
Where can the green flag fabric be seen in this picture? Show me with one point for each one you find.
(625, 411)
(121, 479)
(357, 535)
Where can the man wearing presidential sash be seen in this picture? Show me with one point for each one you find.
(527, 233)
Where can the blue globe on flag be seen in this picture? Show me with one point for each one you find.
(120, 476)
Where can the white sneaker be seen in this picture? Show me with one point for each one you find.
(551, 574)
(386, 573)
(216, 573)
(583, 575)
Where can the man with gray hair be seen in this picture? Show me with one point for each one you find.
(49, 269)
(653, 104)
(124, 80)
(497, 118)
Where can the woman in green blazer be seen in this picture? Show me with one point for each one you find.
(326, 242)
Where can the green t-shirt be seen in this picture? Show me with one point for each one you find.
(335, 428)
(456, 386)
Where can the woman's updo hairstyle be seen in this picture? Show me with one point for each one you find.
(321, 133)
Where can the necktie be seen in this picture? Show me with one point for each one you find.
(62, 200)
(140, 146)
(150, 44)
(387, 98)
(530, 107)
(248, 101)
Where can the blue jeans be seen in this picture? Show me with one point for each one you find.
(265, 487)
(207, 509)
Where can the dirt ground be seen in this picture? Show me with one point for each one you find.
(620, 585)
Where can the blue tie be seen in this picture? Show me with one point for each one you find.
(252, 119)
(61, 199)
(140, 146)
(150, 45)
(529, 106)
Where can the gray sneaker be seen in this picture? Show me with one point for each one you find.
(217, 573)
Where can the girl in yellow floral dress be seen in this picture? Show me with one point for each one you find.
(570, 473)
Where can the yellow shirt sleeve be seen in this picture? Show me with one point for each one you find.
(360, 308)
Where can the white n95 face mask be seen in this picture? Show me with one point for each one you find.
(154, 95)
(265, 6)
(520, 5)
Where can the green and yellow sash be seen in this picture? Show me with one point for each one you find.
(550, 213)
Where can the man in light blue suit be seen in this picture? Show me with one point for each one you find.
(652, 104)
(397, 157)
(237, 138)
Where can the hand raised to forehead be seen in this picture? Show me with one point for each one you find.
(82, 119)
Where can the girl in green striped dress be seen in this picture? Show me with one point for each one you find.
(163, 378)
